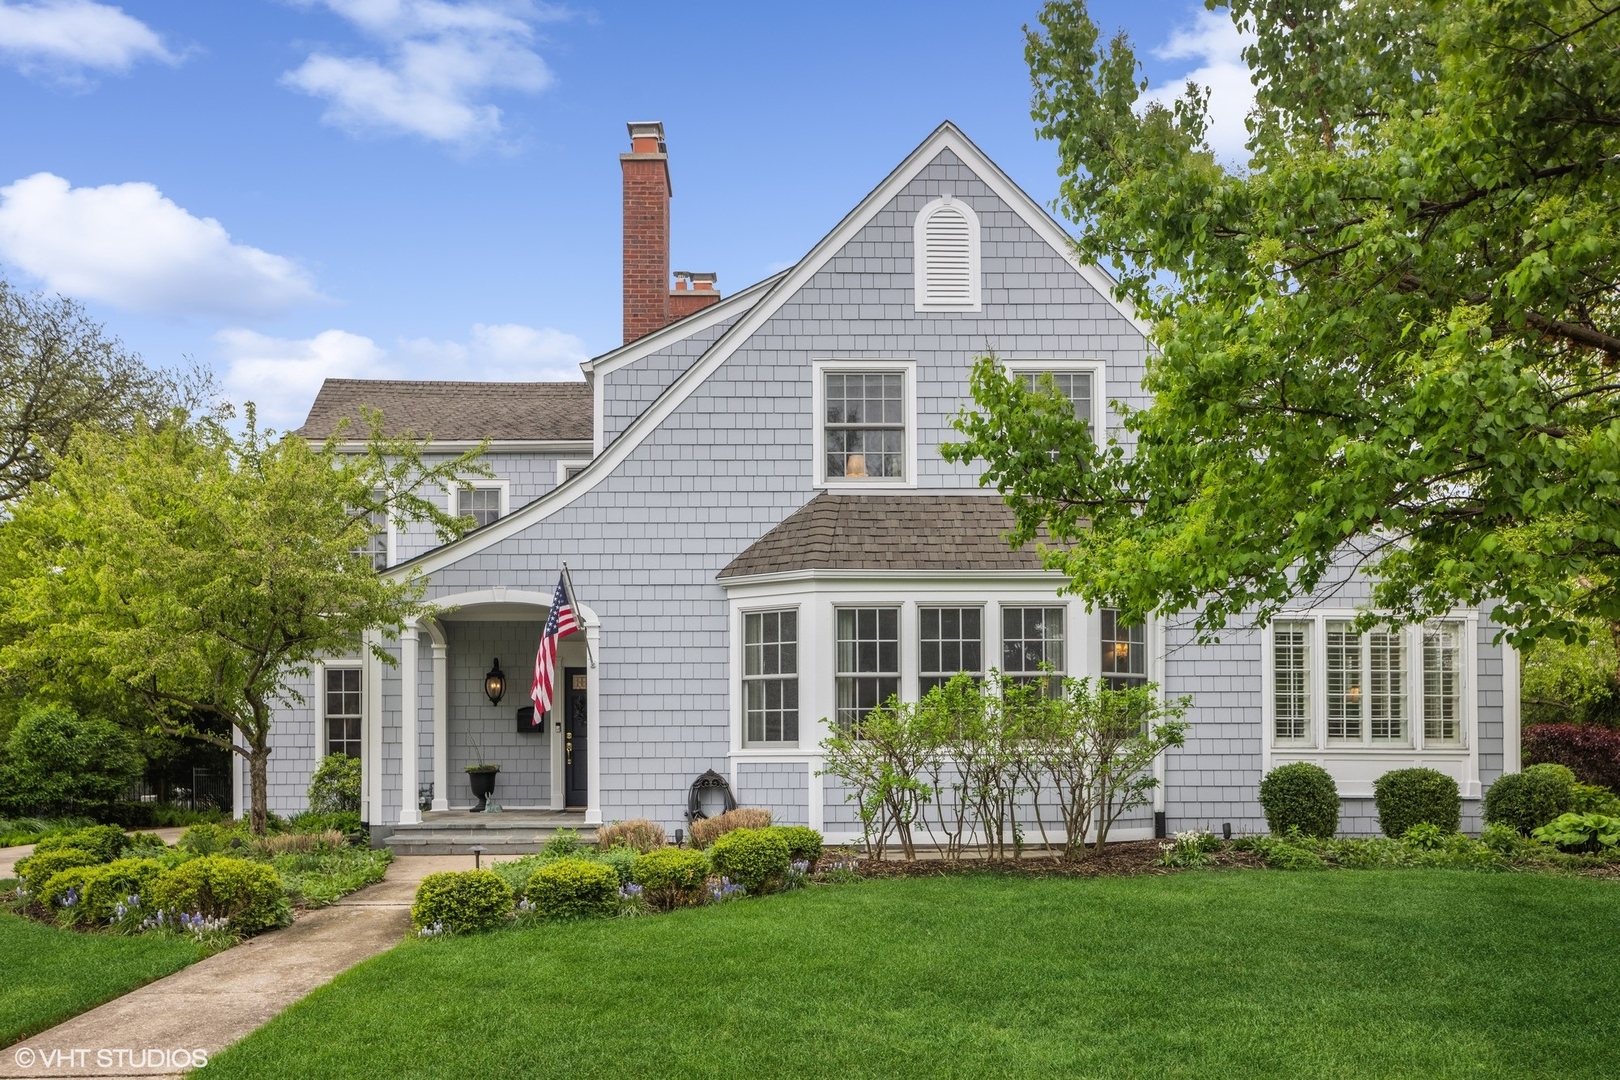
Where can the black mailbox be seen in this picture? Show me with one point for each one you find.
(525, 722)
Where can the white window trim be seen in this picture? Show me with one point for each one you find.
(564, 464)
(321, 667)
(501, 483)
(1019, 365)
(1354, 766)
(739, 712)
(843, 485)
(975, 301)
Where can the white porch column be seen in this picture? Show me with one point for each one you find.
(371, 744)
(593, 717)
(410, 678)
(441, 715)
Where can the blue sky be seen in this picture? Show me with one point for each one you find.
(291, 189)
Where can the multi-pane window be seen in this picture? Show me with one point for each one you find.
(375, 549)
(1386, 654)
(1074, 385)
(1344, 689)
(865, 425)
(1291, 672)
(951, 642)
(868, 661)
(1032, 645)
(343, 711)
(1442, 683)
(483, 504)
(1124, 652)
(771, 677)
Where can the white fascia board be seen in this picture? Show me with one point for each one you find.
(946, 137)
(1035, 578)
(726, 307)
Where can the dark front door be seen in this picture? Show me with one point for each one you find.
(576, 774)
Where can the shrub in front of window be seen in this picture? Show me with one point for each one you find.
(335, 787)
(672, 877)
(38, 869)
(804, 843)
(1591, 752)
(461, 902)
(574, 888)
(1581, 832)
(105, 842)
(752, 858)
(1530, 799)
(1408, 797)
(706, 831)
(638, 834)
(1300, 796)
(248, 894)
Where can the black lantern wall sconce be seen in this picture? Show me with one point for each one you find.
(495, 684)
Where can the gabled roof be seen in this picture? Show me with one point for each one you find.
(888, 532)
(945, 137)
(456, 411)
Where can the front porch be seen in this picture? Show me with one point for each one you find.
(509, 832)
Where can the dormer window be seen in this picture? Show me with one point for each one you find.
(946, 262)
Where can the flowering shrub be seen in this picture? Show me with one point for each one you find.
(1189, 850)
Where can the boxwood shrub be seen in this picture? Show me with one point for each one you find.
(1408, 797)
(750, 857)
(100, 889)
(1530, 799)
(672, 877)
(249, 894)
(804, 843)
(37, 870)
(105, 842)
(1300, 796)
(574, 888)
(462, 901)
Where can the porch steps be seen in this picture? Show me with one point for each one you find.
(508, 833)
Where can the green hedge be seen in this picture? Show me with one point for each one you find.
(460, 902)
(37, 870)
(804, 843)
(1300, 796)
(105, 842)
(249, 894)
(1530, 799)
(750, 857)
(1408, 797)
(574, 888)
(100, 890)
(672, 876)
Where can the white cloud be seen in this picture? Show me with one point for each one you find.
(440, 61)
(1212, 39)
(281, 376)
(65, 38)
(129, 246)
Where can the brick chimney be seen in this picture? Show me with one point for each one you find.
(649, 302)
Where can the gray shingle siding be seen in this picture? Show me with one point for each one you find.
(783, 788)
(628, 391)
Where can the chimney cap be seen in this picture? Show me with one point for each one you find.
(646, 129)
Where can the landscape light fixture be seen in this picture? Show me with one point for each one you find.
(495, 683)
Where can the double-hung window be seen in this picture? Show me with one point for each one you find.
(771, 678)
(868, 661)
(950, 642)
(1400, 687)
(482, 504)
(375, 548)
(864, 425)
(343, 715)
(1032, 646)
(1124, 652)
(1076, 386)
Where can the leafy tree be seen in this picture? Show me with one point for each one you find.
(1394, 332)
(59, 371)
(200, 571)
(57, 762)
(1571, 682)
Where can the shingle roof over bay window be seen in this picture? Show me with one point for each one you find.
(888, 532)
(456, 411)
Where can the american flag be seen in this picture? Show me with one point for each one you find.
(559, 624)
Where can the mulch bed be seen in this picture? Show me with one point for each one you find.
(1116, 860)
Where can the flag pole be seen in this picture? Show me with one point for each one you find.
(573, 600)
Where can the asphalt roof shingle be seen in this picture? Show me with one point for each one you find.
(888, 532)
(455, 410)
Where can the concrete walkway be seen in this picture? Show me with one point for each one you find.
(10, 855)
(164, 1025)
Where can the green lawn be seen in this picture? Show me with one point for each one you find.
(48, 975)
(1235, 974)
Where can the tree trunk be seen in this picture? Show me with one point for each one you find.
(259, 786)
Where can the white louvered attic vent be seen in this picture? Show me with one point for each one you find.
(947, 243)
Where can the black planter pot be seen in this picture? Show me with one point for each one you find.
(483, 786)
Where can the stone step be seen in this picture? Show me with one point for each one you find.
(459, 838)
